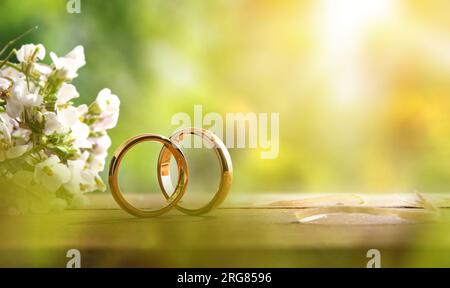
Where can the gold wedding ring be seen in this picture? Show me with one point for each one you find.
(223, 157)
(114, 170)
(171, 148)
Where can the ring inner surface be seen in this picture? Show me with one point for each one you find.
(218, 163)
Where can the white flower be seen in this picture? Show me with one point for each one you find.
(83, 178)
(52, 124)
(67, 121)
(13, 138)
(17, 151)
(29, 53)
(108, 102)
(82, 109)
(76, 179)
(107, 121)
(100, 145)
(4, 83)
(80, 133)
(97, 163)
(21, 98)
(11, 73)
(31, 100)
(51, 173)
(21, 135)
(40, 124)
(42, 69)
(68, 116)
(68, 65)
(66, 93)
(6, 127)
(109, 105)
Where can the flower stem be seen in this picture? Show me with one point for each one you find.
(17, 39)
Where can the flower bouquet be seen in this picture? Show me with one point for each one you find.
(51, 151)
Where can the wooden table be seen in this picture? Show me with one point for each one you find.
(240, 234)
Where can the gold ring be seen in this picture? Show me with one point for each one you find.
(223, 156)
(182, 174)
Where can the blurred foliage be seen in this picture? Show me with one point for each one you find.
(363, 89)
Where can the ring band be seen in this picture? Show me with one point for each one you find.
(182, 174)
(223, 156)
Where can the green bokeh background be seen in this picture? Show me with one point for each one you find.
(164, 57)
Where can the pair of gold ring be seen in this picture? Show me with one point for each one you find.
(171, 147)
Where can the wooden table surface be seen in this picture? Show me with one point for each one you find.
(236, 235)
